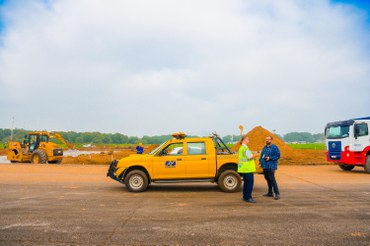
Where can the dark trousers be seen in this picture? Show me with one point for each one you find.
(271, 181)
(248, 185)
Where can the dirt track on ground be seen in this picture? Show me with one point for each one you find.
(79, 205)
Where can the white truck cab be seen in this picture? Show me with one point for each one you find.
(348, 143)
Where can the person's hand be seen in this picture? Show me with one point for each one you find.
(267, 158)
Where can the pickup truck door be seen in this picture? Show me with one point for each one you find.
(197, 161)
(169, 163)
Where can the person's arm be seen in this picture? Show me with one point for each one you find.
(262, 155)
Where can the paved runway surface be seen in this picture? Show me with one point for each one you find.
(78, 205)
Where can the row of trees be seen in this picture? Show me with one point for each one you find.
(303, 137)
(88, 137)
(118, 138)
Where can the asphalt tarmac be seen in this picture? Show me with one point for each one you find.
(79, 205)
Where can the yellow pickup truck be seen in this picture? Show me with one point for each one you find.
(180, 159)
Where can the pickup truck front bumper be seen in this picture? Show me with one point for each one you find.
(111, 171)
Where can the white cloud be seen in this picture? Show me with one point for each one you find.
(153, 67)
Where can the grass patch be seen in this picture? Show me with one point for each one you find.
(320, 146)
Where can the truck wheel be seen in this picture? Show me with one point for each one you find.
(136, 181)
(38, 156)
(346, 167)
(367, 164)
(229, 181)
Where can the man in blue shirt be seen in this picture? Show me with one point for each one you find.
(269, 161)
(139, 149)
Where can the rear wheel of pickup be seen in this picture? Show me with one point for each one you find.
(367, 164)
(136, 181)
(346, 167)
(229, 181)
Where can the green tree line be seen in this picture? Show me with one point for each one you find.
(88, 137)
(303, 137)
(119, 138)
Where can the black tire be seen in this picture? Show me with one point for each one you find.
(13, 161)
(39, 157)
(367, 164)
(229, 181)
(136, 181)
(346, 167)
(55, 162)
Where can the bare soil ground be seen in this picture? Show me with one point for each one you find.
(79, 205)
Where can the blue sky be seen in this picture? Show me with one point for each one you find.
(361, 4)
(2, 2)
(147, 68)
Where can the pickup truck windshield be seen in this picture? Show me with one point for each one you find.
(334, 132)
(156, 149)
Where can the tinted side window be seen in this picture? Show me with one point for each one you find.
(198, 148)
(361, 129)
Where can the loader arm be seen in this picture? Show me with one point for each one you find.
(60, 137)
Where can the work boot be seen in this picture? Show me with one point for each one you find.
(250, 200)
(277, 197)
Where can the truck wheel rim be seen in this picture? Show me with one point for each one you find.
(230, 182)
(36, 159)
(136, 181)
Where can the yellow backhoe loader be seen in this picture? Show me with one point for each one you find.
(36, 148)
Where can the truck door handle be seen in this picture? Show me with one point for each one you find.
(179, 159)
(203, 158)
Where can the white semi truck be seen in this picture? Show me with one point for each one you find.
(348, 143)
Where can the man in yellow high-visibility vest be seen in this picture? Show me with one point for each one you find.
(247, 167)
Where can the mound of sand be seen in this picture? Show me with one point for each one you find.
(289, 156)
(257, 141)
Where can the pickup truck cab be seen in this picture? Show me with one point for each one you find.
(180, 159)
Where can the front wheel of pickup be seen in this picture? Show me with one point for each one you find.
(136, 181)
(229, 181)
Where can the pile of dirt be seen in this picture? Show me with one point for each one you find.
(257, 141)
(289, 156)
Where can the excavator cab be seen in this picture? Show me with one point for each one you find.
(34, 140)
